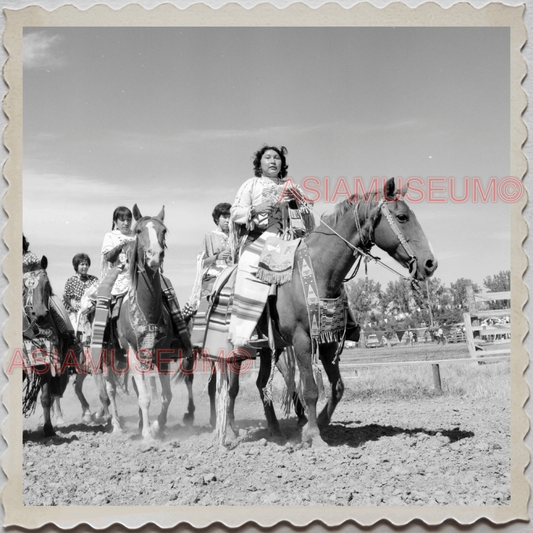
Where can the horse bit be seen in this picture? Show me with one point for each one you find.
(382, 206)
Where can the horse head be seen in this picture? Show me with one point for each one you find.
(36, 289)
(397, 232)
(150, 233)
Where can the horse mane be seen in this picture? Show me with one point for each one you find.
(131, 254)
(347, 206)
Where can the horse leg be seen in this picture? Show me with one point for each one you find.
(233, 392)
(159, 425)
(212, 390)
(56, 409)
(111, 390)
(153, 387)
(46, 402)
(283, 367)
(188, 417)
(140, 381)
(262, 380)
(311, 432)
(331, 366)
(85, 409)
(103, 413)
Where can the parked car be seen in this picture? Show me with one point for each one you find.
(456, 336)
(372, 341)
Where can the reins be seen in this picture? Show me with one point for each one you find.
(366, 254)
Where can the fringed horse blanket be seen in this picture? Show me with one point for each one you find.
(327, 316)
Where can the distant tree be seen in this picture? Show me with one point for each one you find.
(398, 298)
(364, 297)
(500, 282)
(458, 291)
(441, 302)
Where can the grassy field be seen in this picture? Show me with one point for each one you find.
(463, 378)
(401, 352)
(392, 381)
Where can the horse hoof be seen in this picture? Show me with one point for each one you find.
(49, 431)
(302, 421)
(322, 422)
(100, 419)
(60, 421)
(319, 443)
(314, 439)
(276, 434)
(88, 418)
(156, 432)
(117, 429)
(188, 419)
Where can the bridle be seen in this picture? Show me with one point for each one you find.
(368, 242)
(31, 282)
(140, 266)
(403, 241)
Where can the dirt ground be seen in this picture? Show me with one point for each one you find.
(445, 450)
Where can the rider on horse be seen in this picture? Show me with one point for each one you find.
(265, 206)
(116, 281)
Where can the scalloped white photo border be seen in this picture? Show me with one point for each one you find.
(396, 14)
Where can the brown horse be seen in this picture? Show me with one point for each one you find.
(382, 219)
(144, 325)
(45, 346)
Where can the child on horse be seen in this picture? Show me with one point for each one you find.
(114, 274)
(116, 281)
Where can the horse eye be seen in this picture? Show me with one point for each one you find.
(402, 218)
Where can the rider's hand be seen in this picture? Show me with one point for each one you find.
(265, 207)
(224, 255)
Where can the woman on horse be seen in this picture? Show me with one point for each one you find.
(266, 205)
(75, 288)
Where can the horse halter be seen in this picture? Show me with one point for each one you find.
(140, 248)
(403, 241)
(31, 282)
(382, 207)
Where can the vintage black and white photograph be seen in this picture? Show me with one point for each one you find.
(268, 265)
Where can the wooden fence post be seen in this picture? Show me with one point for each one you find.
(436, 378)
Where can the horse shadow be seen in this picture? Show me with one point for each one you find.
(62, 435)
(343, 435)
(339, 434)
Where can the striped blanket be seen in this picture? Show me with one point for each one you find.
(250, 294)
(216, 343)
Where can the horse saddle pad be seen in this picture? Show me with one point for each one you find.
(220, 308)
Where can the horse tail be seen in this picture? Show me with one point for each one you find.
(186, 366)
(32, 385)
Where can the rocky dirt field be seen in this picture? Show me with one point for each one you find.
(438, 450)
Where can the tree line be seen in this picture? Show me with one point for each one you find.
(398, 306)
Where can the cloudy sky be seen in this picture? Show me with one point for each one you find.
(172, 116)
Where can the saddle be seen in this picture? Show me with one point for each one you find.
(266, 333)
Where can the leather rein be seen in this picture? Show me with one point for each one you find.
(369, 242)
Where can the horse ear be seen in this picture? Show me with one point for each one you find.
(44, 262)
(161, 215)
(136, 213)
(404, 188)
(389, 189)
